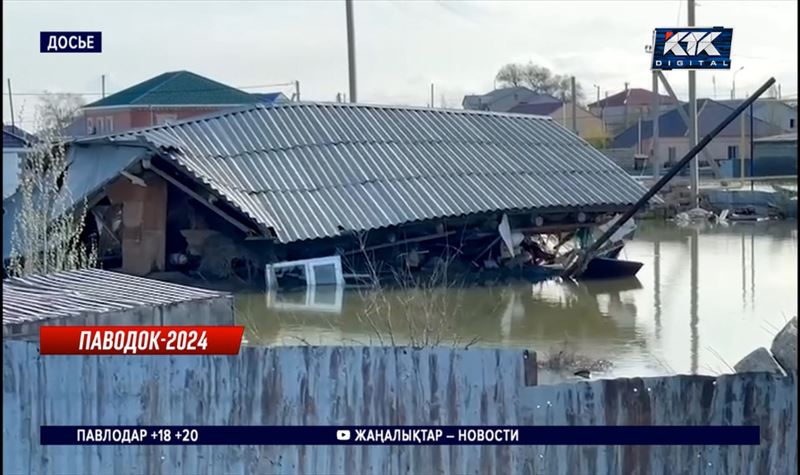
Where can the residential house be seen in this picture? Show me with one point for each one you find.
(590, 127)
(775, 155)
(624, 108)
(168, 97)
(774, 111)
(298, 181)
(504, 99)
(673, 141)
(16, 142)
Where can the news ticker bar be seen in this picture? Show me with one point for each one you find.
(402, 435)
(140, 340)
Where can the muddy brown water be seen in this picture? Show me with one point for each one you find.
(706, 296)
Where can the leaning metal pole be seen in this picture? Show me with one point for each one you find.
(579, 264)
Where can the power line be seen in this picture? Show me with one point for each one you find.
(154, 92)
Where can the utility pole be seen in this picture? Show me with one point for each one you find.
(351, 49)
(103, 85)
(603, 116)
(694, 169)
(625, 108)
(742, 148)
(11, 102)
(752, 150)
(574, 105)
(639, 139)
(297, 91)
(733, 83)
(431, 95)
(656, 159)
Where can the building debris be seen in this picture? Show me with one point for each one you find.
(784, 346)
(780, 359)
(758, 360)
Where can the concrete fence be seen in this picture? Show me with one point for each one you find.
(375, 386)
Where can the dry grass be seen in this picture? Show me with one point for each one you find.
(413, 311)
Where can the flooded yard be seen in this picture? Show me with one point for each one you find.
(706, 296)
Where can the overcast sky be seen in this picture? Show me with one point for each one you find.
(401, 47)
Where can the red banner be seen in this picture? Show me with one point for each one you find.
(140, 340)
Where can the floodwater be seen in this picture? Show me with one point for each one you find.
(706, 296)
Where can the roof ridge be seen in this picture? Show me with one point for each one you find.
(246, 108)
(377, 142)
(156, 87)
(413, 177)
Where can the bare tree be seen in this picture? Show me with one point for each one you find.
(511, 75)
(538, 79)
(49, 224)
(57, 111)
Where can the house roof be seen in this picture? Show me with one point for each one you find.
(530, 96)
(790, 137)
(633, 97)
(546, 108)
(312, 170)
(177, 88)
(270, 97)
(88, 291)
(709, 114)
(14, 137)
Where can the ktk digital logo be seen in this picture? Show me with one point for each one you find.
(692, 48)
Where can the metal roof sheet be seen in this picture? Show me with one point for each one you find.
(312, 170)
(73, 293)
(90, 168)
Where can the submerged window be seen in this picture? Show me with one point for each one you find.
(308, 272)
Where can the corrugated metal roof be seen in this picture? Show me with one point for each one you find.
(90, 168)
(73, 293)
(310, 170)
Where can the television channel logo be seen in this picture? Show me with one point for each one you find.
(692, 48)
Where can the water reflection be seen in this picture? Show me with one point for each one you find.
(640, 324)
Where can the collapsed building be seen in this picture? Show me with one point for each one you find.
(313, 193)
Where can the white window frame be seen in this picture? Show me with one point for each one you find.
(308, 266)
(110, 124)
(166, 118)
(90, 126)
(311, 303)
